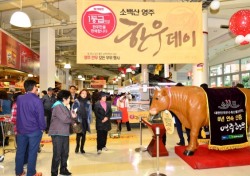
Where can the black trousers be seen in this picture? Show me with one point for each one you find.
(80, 140)
(60, 153)
(180, 131)
(127, 125)
(48, 114)
(101, 139)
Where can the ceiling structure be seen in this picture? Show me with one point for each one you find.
(61, 15)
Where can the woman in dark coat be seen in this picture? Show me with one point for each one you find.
(103, 112)
(82, 106)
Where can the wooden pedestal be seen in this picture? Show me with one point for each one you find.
(152, 145)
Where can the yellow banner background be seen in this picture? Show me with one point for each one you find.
(177, 18)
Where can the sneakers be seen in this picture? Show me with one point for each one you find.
(38, 174)
(105, 148)
(99, 152)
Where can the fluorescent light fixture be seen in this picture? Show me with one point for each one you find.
(67, 65)
(20, 19)
(166, 84)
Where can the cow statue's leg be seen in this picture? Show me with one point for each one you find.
(193, 143)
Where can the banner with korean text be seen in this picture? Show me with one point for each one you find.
(139, 32)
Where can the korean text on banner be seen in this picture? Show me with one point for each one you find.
(139, 32)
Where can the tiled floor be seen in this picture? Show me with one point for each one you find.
(121, 159)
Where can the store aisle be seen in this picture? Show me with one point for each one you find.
(120, 160)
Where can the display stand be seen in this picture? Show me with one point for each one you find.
(141, 148)
(152, 147)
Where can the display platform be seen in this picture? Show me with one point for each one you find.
(204, 158)
(152, 147)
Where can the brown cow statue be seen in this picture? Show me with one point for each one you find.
(190, 106)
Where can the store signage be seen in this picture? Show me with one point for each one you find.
(16, 55)
(139, 32)
(97, 83)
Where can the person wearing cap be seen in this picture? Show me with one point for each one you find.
(103, 112)
(48, 100)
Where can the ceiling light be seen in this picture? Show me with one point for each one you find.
(67, 65)
(79, 76)
(215, 5)
(20, 19)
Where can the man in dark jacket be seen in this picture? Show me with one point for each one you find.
(48, 100)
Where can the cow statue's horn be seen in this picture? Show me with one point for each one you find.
(158, 88)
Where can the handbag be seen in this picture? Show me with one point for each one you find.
(77, 127)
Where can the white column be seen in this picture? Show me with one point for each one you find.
(80, 85)
(67, 81)
(145, 81)
(144, 71)
(47, 58)
(200, 71)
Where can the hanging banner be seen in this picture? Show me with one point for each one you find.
(10, 52)
(139, 32)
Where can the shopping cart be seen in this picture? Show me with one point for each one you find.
(116, 117)
(7, 129)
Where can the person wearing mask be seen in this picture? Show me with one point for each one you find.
(30, 124)
(5, 108)
(123, 104)
(73, 94)
(59, 131)
(103, 112)
(82, 106)
(48, 100)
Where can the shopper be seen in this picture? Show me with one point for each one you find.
(95, 97)
(82, 106)
(48, 100)
(5, 103)
(103, 112)
(179, 126)
(59, 131)
(30, 123)
(44, 92)
(73, 94)
(5, 109)
(123, 105)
